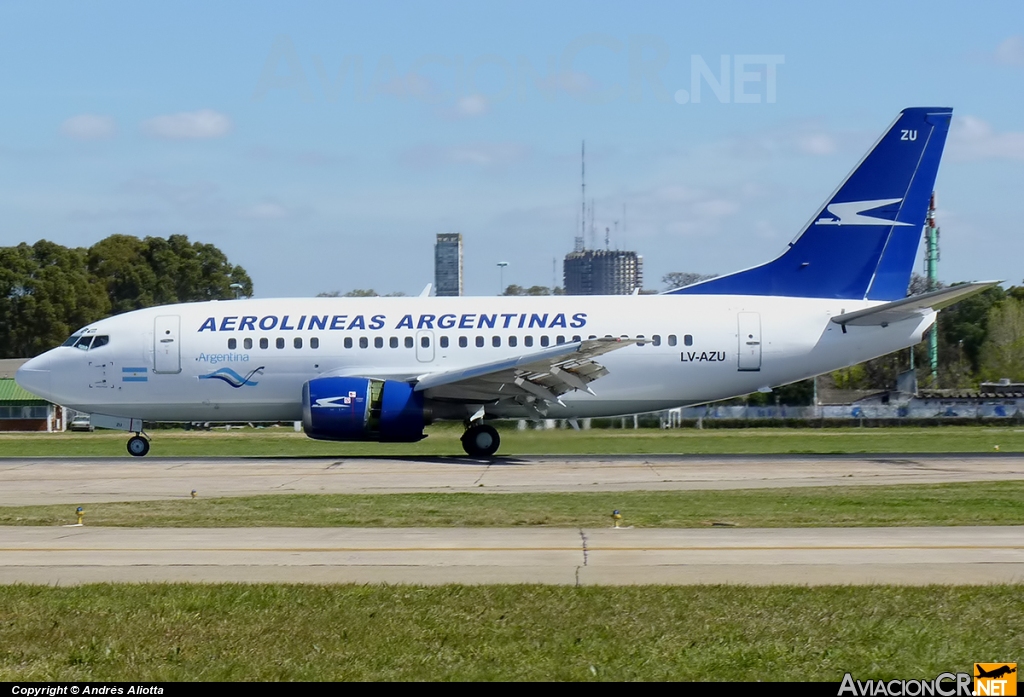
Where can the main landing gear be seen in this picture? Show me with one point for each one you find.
(138, 445)
(480, 440)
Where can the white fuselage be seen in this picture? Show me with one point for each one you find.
(205, 361)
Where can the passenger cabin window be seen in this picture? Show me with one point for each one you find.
(264, 343)
(364, 342)
(513, 341)
(545, 340)
(232, 344)
(280, 342)
(378, 342)
(409, 343)
(297, 342)
(576, 337)
(656, 339)
(527, 341)
(247, 343)
(671, 339)
(639, 339)
(393, 342)
(479, 342)
(463, 342)
(688, 339)
(425, 341)
(560, 340)
(314, 343)
(496, 341)
(444, 342)
(348, 342)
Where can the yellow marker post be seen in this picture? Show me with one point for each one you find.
(81, 514)
(193, 493)
(616, 516)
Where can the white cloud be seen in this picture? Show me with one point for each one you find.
(815, 143)
(189, 125)
(482, 155)
(568, 81)
(1010, 51)
(89, 127)
(798, 138)
(265, 211)
(471, 106)
(971, 138)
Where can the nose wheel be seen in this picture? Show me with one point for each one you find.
(480, 440)
(138, 446)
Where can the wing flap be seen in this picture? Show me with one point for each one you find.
(544, 375)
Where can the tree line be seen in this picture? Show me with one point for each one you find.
(47, 290)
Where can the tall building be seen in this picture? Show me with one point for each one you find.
(448, 264)
(602, 272)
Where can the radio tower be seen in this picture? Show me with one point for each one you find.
(579, 246)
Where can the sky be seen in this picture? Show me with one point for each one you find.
(323, 145)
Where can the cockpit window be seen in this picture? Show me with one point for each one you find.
(72, 339)
(100, 341)
(83, 343)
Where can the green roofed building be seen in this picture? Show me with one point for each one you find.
(23, 411)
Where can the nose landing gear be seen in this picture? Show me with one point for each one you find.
(480, 440)
(138, 446)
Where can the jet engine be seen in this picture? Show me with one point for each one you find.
(355, 408)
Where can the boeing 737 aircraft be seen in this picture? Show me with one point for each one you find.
(382, 368)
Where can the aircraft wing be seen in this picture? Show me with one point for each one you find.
(912, 307)
(542, 375)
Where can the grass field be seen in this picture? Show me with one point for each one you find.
(504, 632)
(976, 503)
(444, 440)
(257, 632)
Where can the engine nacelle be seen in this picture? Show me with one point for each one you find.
(353, 408)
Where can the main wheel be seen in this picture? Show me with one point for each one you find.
(138, 446)
(480, 441)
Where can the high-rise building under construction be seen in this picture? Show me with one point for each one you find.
(448, 264)
(602, 272)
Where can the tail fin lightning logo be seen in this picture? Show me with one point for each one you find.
(855, 213)
(234, 379)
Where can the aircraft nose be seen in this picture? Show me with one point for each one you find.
(34, 376)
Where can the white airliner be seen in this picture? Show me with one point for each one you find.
(382, 368)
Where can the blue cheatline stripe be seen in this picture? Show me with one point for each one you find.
(134, 370)
(134, 379)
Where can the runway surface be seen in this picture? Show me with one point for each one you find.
(29, 481)
(71, 555)
(914, 556)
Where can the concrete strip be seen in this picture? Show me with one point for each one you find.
(805, 556)
(29, 481)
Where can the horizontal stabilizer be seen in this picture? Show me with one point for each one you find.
(911, 308)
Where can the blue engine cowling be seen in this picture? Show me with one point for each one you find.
(352, 408)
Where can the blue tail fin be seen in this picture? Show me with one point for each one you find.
(862, 244)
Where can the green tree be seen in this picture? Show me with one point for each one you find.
(46, 293)
(678, 279)
(1002, 353)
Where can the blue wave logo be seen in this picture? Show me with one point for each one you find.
(232, 378)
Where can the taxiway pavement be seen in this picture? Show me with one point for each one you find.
(31, 481)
